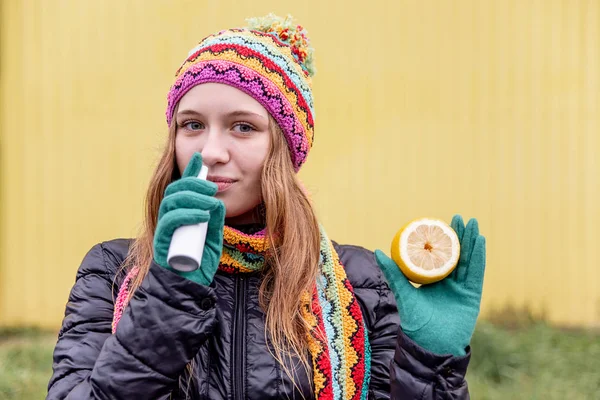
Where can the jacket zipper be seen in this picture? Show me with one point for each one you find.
(239, 334)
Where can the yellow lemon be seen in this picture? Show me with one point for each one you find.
(426, 250)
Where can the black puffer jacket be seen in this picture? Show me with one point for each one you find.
(171, 321)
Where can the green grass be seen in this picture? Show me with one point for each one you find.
(534, 362)
(25, 363)
(526, 360)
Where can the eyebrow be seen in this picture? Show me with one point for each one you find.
(237, 113)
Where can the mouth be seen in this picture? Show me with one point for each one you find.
(222, 183)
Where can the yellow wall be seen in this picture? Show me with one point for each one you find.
(485, 108)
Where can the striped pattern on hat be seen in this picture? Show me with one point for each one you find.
(273, 66)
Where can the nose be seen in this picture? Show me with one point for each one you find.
(215, 149)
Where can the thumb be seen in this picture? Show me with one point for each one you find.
(396, 279)
(415, 312)
(194, 166)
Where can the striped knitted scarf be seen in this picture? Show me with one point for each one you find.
(338, 340)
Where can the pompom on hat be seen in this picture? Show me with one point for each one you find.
(270, 60)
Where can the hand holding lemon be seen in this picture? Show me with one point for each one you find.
(440, 316)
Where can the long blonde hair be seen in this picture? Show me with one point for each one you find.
(291, 267)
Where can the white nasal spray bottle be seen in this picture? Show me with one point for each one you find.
(187, 243)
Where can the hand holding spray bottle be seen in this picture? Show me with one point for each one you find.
(187, 243)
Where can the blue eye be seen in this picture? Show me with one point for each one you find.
(244, 128)
(193, 125)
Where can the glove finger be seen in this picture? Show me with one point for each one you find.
(186, 200)
(458, 225)
(167, 225)
(194, 166)
(214, 235)
(200, 186)
(476, 268)
(394, 276)
(469, 238)
(213, 246)
(466, 248)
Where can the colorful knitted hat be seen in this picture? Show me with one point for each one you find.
(270, 60)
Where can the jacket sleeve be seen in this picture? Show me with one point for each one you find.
(160, 331)
(401, 369)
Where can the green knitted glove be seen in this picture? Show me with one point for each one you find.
(189, 201)
(441, 317)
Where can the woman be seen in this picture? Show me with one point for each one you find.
(275, 310)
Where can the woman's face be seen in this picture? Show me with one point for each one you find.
(231, 131)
